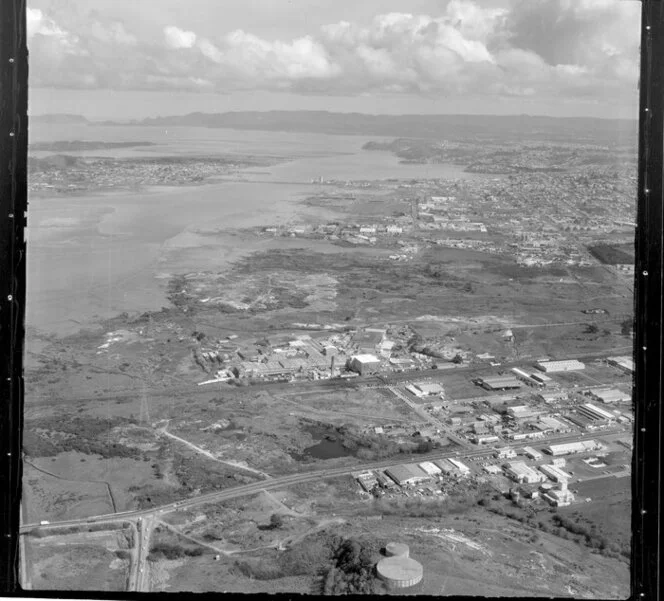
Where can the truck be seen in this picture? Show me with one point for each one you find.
(44, 523)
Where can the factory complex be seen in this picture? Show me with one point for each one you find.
(524, 468)
(558, 366)
(573, 447)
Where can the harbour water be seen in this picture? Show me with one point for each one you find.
(93, 256)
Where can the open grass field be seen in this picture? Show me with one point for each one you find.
(611, 508)
(85, 562)
(204, 575)
(119, 473)
(51, 498)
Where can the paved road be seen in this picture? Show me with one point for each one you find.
(282, 481)
(143, 549)
(144, 520)
(430, 418)
(24, 573)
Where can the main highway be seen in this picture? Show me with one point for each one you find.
(290, 479)
(143, 520)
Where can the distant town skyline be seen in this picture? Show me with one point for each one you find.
(131, 60)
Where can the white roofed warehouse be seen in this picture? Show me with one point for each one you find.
(430, 468)
(365, 364)
(499, 383)
(572, 447)
(555, 473)
(520, 472)
(610, 395)
(595, 413)
(446, 466)
(407, 474)
(532, 453)
(464, 470)
(560, 366)
(625, 363)
(428, 388)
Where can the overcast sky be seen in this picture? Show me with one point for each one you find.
(137, 58)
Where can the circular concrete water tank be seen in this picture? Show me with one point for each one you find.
(396, 550)
(399, 572)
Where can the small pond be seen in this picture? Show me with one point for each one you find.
(327, 446)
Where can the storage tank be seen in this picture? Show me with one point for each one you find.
(399, 572)
(396, 550)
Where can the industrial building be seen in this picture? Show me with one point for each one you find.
(407, 474)
(609, 395)
(479, 427)
(581, 421)
(625, 363)
(367, 480)
(430, 468)
(595, 413)
(383, 480)
(488, 439)
(541, 378)
(421, 389)
(524, 435)
(368, 340)
(525, 377)
(567, 448)
(446, 466)
(559, 497)
(499, 383)
(520, 472)
(560, 366)
(505, 453)
(551, 424)
(365, 364)
(399, 572)
(555, 473)
(553, 396)
(532, 453)
(463, 469)
(522, 411)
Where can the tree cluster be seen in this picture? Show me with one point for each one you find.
(352, 571)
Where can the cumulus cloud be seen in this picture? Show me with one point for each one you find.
(38, 23)
(45, 32)
(112, 33)
(177, 38)
(546, 48)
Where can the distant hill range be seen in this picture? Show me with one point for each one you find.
(413, 126)
(58, 119)
(84, 145)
